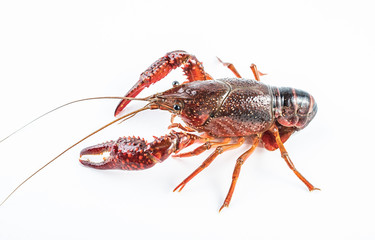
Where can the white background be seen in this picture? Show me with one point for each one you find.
(53, 52)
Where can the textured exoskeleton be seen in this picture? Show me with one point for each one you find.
(222, 113)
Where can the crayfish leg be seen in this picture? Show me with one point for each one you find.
(269, 140)
(180, 126)
(255, 71)
(285, 156)
(253, 68)
(241, 160)
(219, 150)
(231, 67)
(204, 147)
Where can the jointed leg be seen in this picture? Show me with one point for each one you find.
(256, 73)
(231, 67)
(253, 68)
(285, 155)
(269, 140)
(204, 147)
(237, 170)
(180, 126)
(208, 161)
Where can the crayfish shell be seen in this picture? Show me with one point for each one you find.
(128, 153)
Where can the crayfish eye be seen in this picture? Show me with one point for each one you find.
(175, 83)
(177, 107)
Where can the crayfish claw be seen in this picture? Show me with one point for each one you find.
(134, 153)
(98, 149)
(126, 153)
(105, 164)
(97, 156)
(193, 69)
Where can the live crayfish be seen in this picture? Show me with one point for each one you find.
(220, 113)
(226, 112)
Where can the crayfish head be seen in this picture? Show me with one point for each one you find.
(195, 102)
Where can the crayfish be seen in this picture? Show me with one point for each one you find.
(218, 113)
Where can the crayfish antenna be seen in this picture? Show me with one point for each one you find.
(75, 144)
(66, 104)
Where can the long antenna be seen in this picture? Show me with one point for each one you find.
(64, 105)
(127, 116)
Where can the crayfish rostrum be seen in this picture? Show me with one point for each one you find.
(219, 114)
